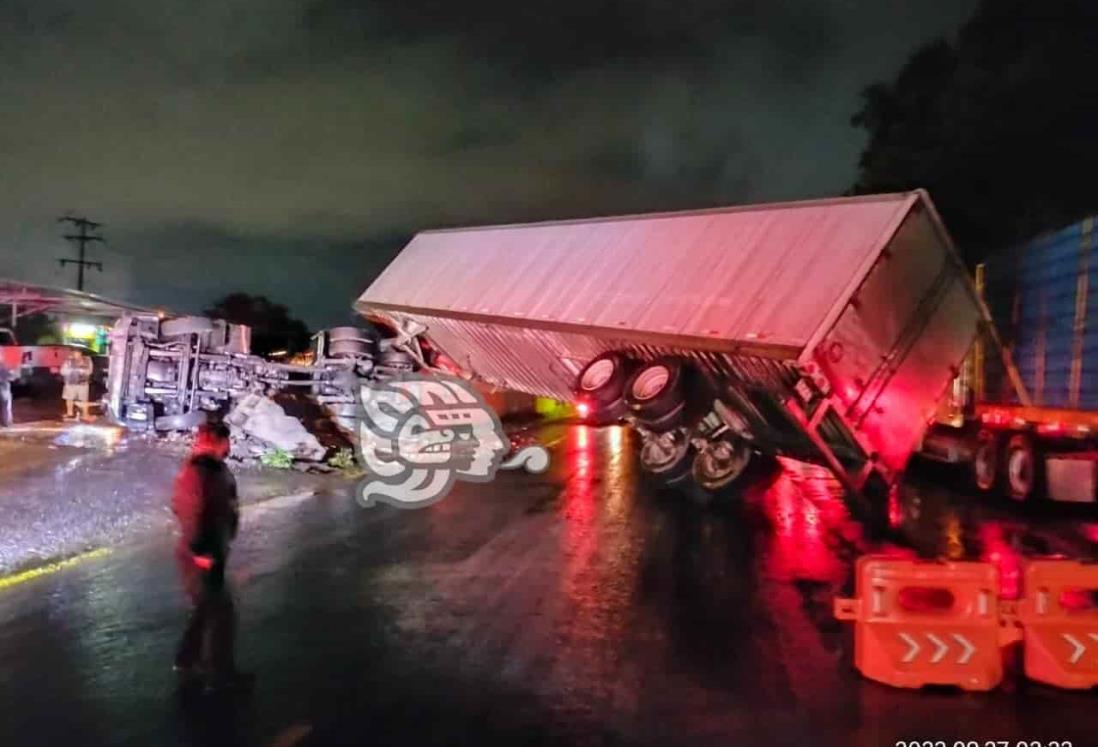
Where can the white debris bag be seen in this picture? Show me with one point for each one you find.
(262, 419)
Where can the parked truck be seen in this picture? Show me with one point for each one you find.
(1025, 419)
(34, 366)
(827, 331)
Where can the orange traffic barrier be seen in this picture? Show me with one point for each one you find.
(1059, 618)
(927, 623)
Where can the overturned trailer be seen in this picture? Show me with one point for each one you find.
(824, 330)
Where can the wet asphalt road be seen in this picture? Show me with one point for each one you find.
(67, 488)
(578, 607)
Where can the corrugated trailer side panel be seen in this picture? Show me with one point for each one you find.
(902, 339)
(756, 276)
(1042, 297)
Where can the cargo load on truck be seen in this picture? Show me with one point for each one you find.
(823, 330)
(1026, 421)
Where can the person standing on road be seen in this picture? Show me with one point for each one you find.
(205, 503)
(5, 395)
(76, 374)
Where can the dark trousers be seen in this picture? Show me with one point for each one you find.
(210, 635)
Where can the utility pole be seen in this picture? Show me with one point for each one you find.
(82, 238)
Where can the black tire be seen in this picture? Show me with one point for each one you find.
(721, 464)
(602, 381)
(870, 507)
(186, 325)
(182, 422)
(671, 420)
(1023, 473)
(668, 456)
(654, 394)
(987, 459)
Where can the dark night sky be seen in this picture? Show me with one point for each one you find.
(288, 147)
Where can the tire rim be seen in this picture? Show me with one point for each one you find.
(650, 382)
(662, 452)
(597, 374)
(984, 466)
(1020, 473)
(722, 463)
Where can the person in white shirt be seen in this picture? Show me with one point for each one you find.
(76, 374)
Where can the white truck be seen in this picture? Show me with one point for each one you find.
(33, 365)
(827, 331)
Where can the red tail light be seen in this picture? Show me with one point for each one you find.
(583, 409)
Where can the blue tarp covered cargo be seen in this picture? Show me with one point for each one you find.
(1043, 296)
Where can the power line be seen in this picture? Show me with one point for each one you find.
(85, 235)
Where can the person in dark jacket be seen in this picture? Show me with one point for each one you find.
(205, 503)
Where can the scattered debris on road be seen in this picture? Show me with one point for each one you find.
(261, 427)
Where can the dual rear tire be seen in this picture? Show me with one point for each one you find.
(668, 456)
(615, 386)
(601, 385)
(721, 463)
(653, 395)
(1008, 462)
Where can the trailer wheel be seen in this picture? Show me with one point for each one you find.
(668, 455)
(654, 394)
(721, 463)
(985, 461)
(601, 384)
(603, 379)
(1022, 468)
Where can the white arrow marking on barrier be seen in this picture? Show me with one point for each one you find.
(913, 648)
(943, 649)
(1077, 654)
(969, 648)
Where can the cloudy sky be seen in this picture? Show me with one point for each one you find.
(290, 147)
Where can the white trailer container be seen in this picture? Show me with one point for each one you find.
(823, 330)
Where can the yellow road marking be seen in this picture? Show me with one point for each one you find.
(44, 570)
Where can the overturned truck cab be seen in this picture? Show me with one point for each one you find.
(825, 331)
(174, 374)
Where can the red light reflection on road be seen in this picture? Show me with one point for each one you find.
(802, 506)
(579, 499)
(600, 560)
